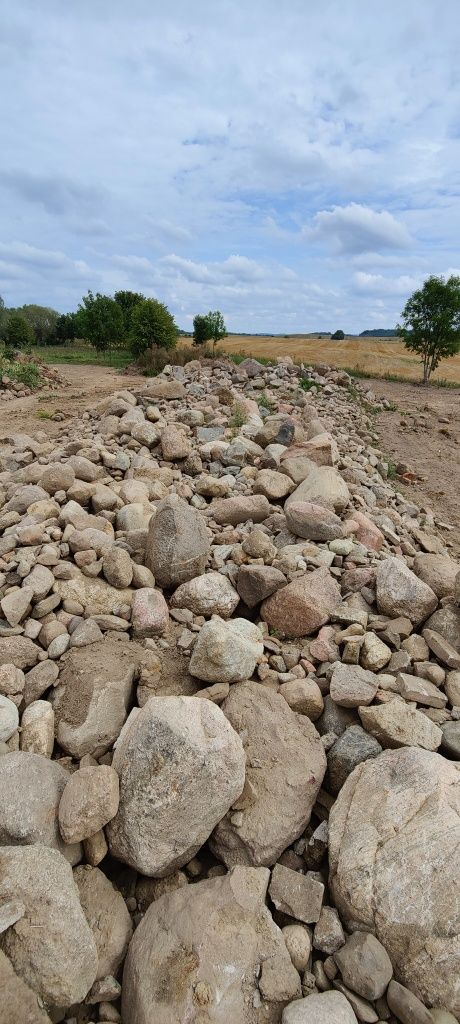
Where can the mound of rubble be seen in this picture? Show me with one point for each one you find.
(229, 714)
(49, 378)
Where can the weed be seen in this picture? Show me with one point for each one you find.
(45, 414)
(306, 384)
(237, 419)
(265, 402)
(391, 473)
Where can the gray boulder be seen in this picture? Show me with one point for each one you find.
(177, 545)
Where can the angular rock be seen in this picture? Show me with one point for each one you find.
(297, 895)
(401, 592)
(437, 571)
(364, 965)
(322, 486)
(352, 748)
(149, 613)
(208, 942)
(32, 818)
(256, 582)
(177, 544)
(285, 765)
(210, 594)
(389, 810)
(313, 522)
(51, 947)
(226, 651)
(304, 605)
(352, 686)
(397, 724)
(107, 916)
(181, 766)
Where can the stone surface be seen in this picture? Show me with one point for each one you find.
(437, 571)
(226, 652)
(400, 592)
(89, 801)
(9, 718)
(364, 965)
(304, 605)
(31, 787)
(107, 916)
(149, 613)
(210, 594)
(352, 748)
(297, 895)
(406, 1006)
(392, 814)
(206, 944)
(285, 765)
(256, 582)
(313, 522)
(51, 947)
(181, 766)
(325, 1008)
(19, 1003)
(177, 544)
(397, 724)
(352, 686)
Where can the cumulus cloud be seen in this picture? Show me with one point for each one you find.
(357, 229)
(57, 194)
(377, 284)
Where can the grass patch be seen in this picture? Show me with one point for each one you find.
(398, 378)
(391, 474)
(264, 402)
(306, 384)
(237, 419)
(27, 374)
(45, 414)
(82, 355)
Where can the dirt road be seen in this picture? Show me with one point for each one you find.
(414, 434)
(424, 433)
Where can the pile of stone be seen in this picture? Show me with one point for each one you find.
(229, 714)
(49, 379)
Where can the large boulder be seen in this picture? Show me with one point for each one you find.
(320, 1008)
(437, 571)
(394, 836)
(304, 605)
(313, 522)
(177, 546)
(91, 700)
(285, 765)
(226, 652)
(51, 947)
(401, 592)
(18, 1003)
(181, 767)
(197, 954)
(31, 787)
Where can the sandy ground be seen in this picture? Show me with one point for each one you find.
(414, 434)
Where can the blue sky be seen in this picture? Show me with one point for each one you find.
(295, 165)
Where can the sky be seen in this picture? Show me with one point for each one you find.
(295, 165)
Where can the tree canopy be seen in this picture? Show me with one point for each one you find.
(42, 320)
(100, 321)
(209, 327)
(127, 301)
(66, 328)
(151, 324)
(18, 332)
(431, 322)
(337, 336)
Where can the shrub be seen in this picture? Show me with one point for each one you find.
(19, 333)
(151, 325)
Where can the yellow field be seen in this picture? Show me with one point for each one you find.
(372, 355)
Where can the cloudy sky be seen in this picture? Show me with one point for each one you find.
(295, 164)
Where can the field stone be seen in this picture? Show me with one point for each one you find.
(34, 818)
(19, 651)
(353, 747)
(299, 896)
(364, 965)
(324, 1008)
(226, 651)
(9, 718)
(149, 613)
(232, 511)
(438, 571)
(285, 765)
(298, 945)
(322, 486)
(19, 1003)
(107, 916)
(256, 582)
(305, 604)
(304, 697)
(328, 935)
(207, 942)
(398, 724)
(406, 1006)
(210, 594)
(401, 592)
(117, 567)
(313, 522)
(389, 810)
(89, 801)
(96, 596)
(16, 604)
(37, 728)
(39, 679)
(352, 686)
(177, 543)
(12, 681)
(90, 703)
(51, 947)
(181, 766)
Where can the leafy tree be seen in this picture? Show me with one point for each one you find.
(66, 328)
(18, 332)
(42, 320)
(201, 329)
(210, 327)
(127, 301)
(100, 321)
(3, 317)
(431, 322)
(337, 336)
(151, 324)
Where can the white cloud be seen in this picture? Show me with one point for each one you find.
(357, 229)
(377, 284)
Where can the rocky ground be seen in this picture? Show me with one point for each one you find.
(229, 713)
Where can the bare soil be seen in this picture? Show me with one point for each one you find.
(85, 386)
(423, 433)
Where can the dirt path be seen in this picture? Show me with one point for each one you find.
(86, 384)
(424, 434)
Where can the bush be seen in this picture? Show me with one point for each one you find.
(337, 336)
(25, 373)
(151, 325)
(18, 333)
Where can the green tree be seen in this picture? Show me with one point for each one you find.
(100, 321)
(337, 336)
(66, 328)
(201, 329)
(127, 301)
(431, 322)
(211, 327)
(3, 318)
(42, 320)
(151, 324)
(18, 332)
